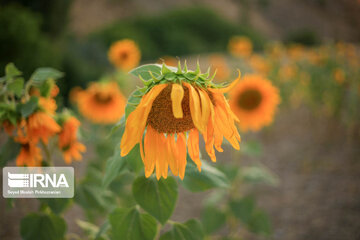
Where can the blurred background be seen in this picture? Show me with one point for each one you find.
(312, 148)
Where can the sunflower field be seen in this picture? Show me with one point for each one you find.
(182, 125)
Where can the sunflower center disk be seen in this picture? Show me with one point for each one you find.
(103, 98)
(161, 116)
(249, 99)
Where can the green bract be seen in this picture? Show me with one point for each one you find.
(153, 74)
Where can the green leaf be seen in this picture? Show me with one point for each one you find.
(252, 148)
(190, 230)
(9, 151)
(143, 71)
(260, 223)
(208, 178)
(132, 102)
(133, 160)
(90, 229)
(114, 166)
(243, 208)
(212, 219)
(29, 107)
(41, 226)
(57, 205)
(156, 197)
(130, 224)
(11, 71)
(16, 86)
(42, 74)
(258, 174)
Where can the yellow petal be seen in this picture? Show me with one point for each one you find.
(232, 85)
(205, 107)
(177, 95)
(209, 141)
(195, 108)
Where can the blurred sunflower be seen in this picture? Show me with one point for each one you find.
(68, 143)
(259, 64)
(254, 101)
(339, 75)
(30, 154)
(102, 102)
(124, 54)
(41, 125)
(240, 46)
(176, 107)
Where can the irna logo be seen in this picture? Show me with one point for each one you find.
(34, 180)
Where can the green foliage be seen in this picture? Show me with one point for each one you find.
(190, 230)
(9, 151)
(42, 226)
(130, 224)
(208, 178)
(255, 219)
(176, 33)
(57, 205)
(114, 166)
(305, 37)
(22, 42)
(29, 107)
(212, 219)
(42, 74)
(157, 197)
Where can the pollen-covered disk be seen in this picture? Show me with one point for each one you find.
(176, 105)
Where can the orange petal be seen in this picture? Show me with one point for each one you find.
(193, 147)
(136, 122)
(172, 154)
(177, 95)
(181, 156)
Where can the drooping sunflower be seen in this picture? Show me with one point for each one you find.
(68, 143)
(102, 102)
(175, 107)
(240, 46)
(124, 54)
(254, 101)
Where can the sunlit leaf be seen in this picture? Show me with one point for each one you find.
(190, 230)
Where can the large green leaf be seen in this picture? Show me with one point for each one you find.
(130, 224)
(156, 197)
(143, 71)
(190, 230)
(114, 166)
(41, 226)
(29, 107)
(11, 71)
(16, 86)
(260, 223)
(212, 219)
(42, 74)
(208, 178)
(9, 151)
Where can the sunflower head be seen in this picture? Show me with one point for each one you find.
(102, 97)
(254, 101)
(124, 54)
(173, 107)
